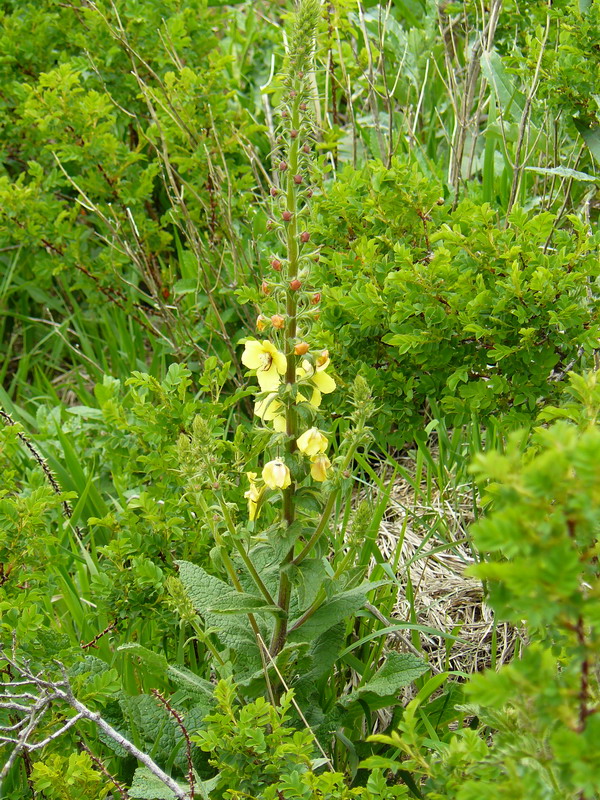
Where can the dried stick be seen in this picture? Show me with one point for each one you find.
(50, 691)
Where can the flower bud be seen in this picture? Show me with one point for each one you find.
(312, 442)
(261, 323)
(316, 298)
(283, 166)
(297, 179)
(293, 93)
(323, 359)
(301, 348)
(265, 288)
(276, 475)
(284, 113)
(304, 236)
(309, 193)
(303, 106)
(274, 191)
(319, 466)
(295, 285)
(293, 133)
(286, 215)
(277, 321)
(276, 264)
(306, 148)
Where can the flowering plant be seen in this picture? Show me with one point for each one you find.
(299, 473)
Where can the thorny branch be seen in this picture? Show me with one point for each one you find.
(66, 508)
(35, 701)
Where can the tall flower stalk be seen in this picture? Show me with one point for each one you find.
(291, 391)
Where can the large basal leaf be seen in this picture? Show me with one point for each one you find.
(208, 594)
(146, 786)
(187, 680)
(156, 661)
(398, 671)
(334, 610)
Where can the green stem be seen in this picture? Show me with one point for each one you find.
(318, 532)
(244, 555)
(291, 305)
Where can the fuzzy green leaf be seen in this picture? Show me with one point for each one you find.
(146, 786)
(398, 671)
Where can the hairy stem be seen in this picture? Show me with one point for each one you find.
(289, 511)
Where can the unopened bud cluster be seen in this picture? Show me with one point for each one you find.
(291, 373)
(287, 271)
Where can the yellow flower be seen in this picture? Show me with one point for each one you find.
(319, 466)
(271, 410)
(253, 495)
(276, 475)
(312, 442)
(316, 374)
(268, 362)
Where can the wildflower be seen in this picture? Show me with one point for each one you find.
(319, 466)
(276, 475)
(271, 410)
(312, 442)
(268, 362)
(261, 323)
(253, 495)
(317, 375)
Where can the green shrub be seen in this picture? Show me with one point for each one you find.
(441, 305)
(258, 755)
(534, 724)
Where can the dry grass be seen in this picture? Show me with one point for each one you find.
(443, 597)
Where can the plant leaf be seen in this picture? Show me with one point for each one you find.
(398, 671)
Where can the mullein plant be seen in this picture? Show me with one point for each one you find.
(293, 576)
(292, 374)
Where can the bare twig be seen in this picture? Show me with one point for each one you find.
(49, 692)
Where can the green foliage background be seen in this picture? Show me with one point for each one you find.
(458, 274)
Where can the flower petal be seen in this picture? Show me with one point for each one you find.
(276, 475)
(279, 423)
(268, 408)
(253, 354)
(268, 379)
(280, 362)
(319, 466)
(323, 382)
